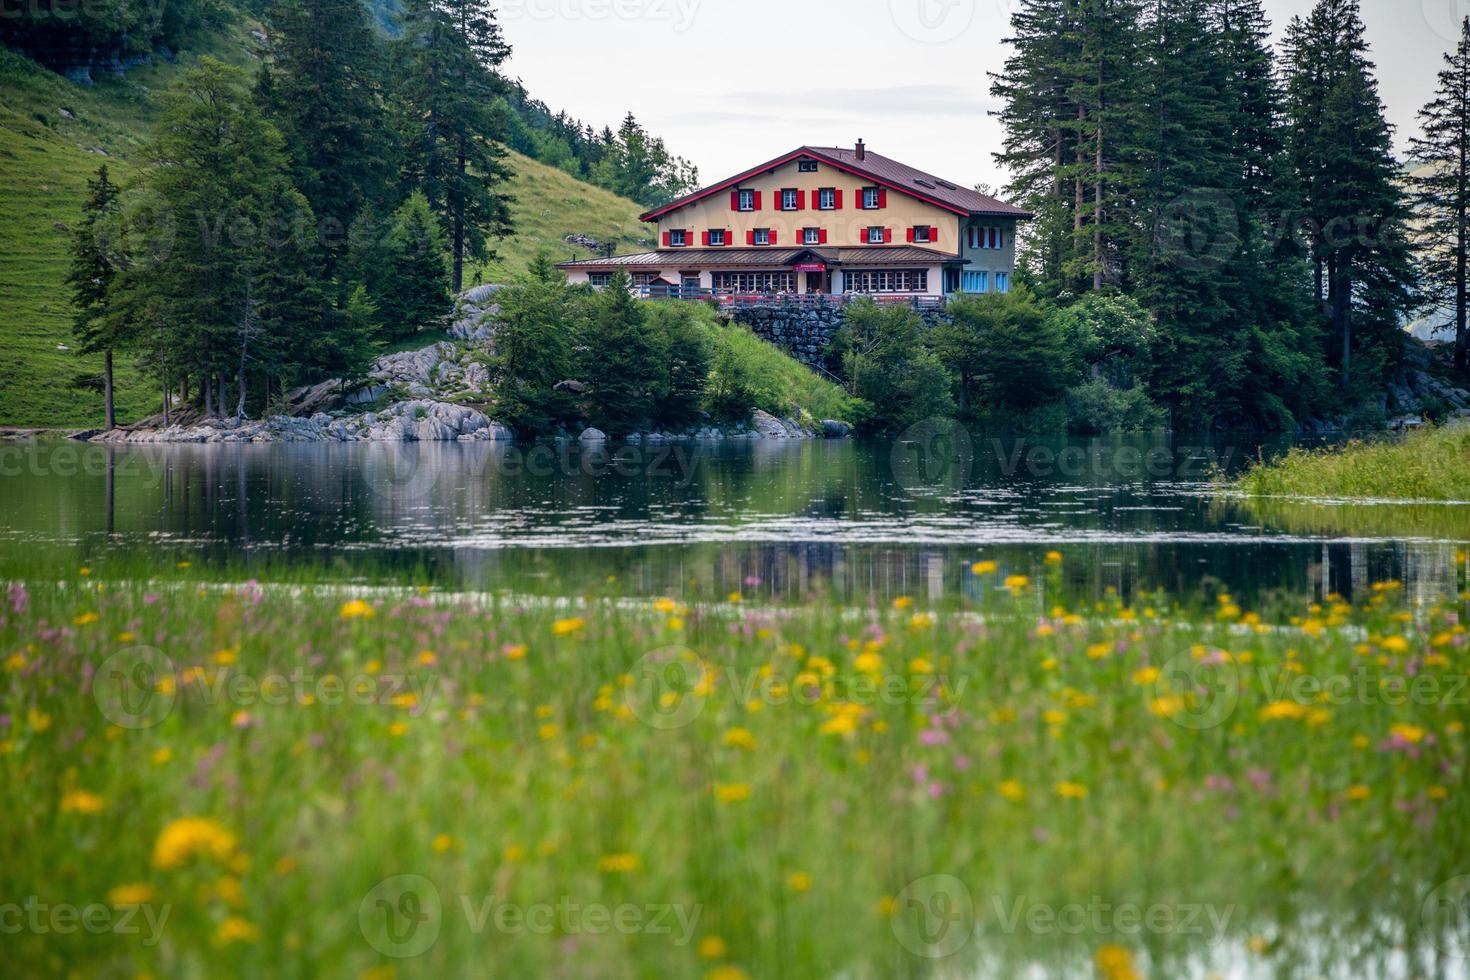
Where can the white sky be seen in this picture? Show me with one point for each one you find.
(730, 83)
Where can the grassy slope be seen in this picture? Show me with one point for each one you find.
(1433, 464)
(47, 161)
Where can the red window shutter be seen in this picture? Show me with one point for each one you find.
(839, 201)
(668, 237)
(750, 237)
(729, 236)
(887, 234)
(882, 197)
(734, 200)
(773, 236)
(705, 239)
(757, 200)
(822, 236)
(933, 235)
(801, 200)
(911, 235)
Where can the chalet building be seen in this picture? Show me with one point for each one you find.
(824, 220)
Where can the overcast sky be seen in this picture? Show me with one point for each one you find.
(729, 83)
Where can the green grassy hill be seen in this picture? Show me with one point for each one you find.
(54, 135)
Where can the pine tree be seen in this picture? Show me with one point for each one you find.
(620, 359)
(1341, 148)
(448, 58)
(1441, 193)
(323, 91)
(411, 290)
(93, 271)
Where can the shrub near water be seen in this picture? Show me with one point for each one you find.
(1430, 464)
(787, 792)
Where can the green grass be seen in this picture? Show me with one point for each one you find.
(787, 781)
(47, 159)
(1431, 464)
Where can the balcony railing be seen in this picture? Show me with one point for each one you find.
(730, 300)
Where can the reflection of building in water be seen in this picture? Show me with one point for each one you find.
(1349, 569)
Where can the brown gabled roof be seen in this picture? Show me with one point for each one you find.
(882, 170)
(733, 258)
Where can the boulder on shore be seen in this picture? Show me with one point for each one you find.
(410, 421)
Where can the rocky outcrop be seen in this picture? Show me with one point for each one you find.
(410, 421)
(770, 427)
(474, 315)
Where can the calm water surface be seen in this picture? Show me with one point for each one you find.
(858, 518)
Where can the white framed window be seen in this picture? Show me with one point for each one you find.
(755, 282)
(876, 236)
(888, 281)
(976, 282)
(872, 198)
(972, 238)
(807, 166)
(678, 238)
(746, 200)
(923, 234)
(1002, 282)
(827, 199)
(790, 200)
(599, 279)
(761, 236)
(716, 237)
(811, 236)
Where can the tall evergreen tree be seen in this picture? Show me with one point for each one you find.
(618, 359)
(93, 270)
(448, 59)
(1441, 193)
(1340, 147)
(323, 91)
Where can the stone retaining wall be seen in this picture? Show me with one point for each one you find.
(805, 332)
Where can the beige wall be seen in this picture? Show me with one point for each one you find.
(846, 228)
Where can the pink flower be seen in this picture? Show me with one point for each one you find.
(19, 598)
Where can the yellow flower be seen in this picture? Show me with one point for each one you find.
(1395, 644)
(549, 731)
(740, 738)
(1116, 963)
(1053, 557)
(398, 729)
(1438, 793)
(131, 894)
(1054, 717)
(1413, 734)
(1146, 676)
(189, 837)
(736, 598)
(1017, 582)
(665, 606)
(868, 663)
(799, 881)
(1167, 706)
(732, 793)
(1071, 791)
(513, 854)
(712, 948)
(15, 662)
(86, 619)
(442, 843)
(356, 609)
(984, 568)
(902, 602)
(1279, 710)
(38, 720)
(1098, 651)
(516, 651)
(81, 801)
(427, 658)
(919, 665)
(1358, 793)
(1360, 741)
(726, 972)
(566, 627)
(1012, 790)
(618, 863)
(236, 930)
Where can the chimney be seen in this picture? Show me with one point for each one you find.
(862, 150)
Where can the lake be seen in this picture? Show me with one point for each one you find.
(782, 520)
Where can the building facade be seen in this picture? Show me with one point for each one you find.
(824, 220)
